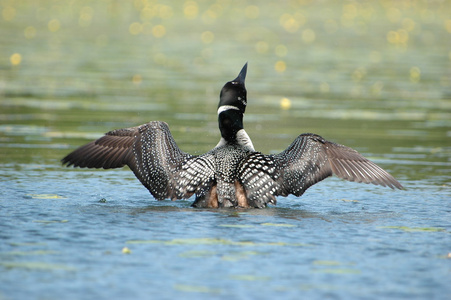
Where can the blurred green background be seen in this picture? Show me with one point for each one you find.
(374, 75)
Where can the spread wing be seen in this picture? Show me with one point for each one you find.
(151, 153)
(308, 160)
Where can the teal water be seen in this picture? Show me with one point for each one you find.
(373, 76)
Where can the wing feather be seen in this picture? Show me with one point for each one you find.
(308, 160)
(152, 154)
(196, 176)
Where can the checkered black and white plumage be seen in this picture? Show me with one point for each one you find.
(232, 174)
(308, 160)
(168, 173)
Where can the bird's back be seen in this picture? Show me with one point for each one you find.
(226, 189)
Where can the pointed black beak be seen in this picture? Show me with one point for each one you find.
(242, 76)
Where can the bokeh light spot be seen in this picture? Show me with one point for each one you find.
(350, 10)
(207, 37)
(15, 59)
(308, 36)
(252, 11)
(159, 31)
(448, 25)
(280, 66)
(377, 87)
(403, 36)
(165, 11)
(211, 14)
(147, 13)
(324, 87)
(415, 74)
(408, 24)
(285, 103)
(8, 13)
(375, 57)
(358, 74)
(281, 50)
(85, 18)
(392, 37)
(349, 14)
(29, 32)
(135, 28)
(262, 47)
(160, 58)
(54, 25)
(393, 14)
(137, 79)
(191, 9)
(289, 23)
(139, 4)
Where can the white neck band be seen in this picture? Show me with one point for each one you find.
(226, 107)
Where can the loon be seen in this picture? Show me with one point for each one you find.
(232, 174)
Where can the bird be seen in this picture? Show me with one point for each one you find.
(232, 174)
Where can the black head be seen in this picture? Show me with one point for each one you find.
(232, 105)
(233, 94)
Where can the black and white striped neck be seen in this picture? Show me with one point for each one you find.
(231, 108)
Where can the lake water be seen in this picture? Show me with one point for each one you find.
(373, 76)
